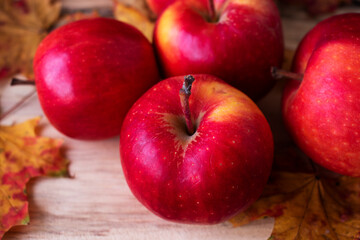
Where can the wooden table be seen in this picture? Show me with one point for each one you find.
(97, 203)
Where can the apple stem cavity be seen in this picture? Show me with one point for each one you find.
(16, 81)
(185, 93)
(280, 73)
(212, 12)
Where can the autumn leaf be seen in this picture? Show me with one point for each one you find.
(23, 24)
(24, 155)
(76, 16)
(315, 205)
(134, 17)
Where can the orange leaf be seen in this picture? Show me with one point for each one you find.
(23, 24)
(318, 205)
(24, 155)
(134, 17)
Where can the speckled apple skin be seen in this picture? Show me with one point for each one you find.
(158, 6)
(239, 48)
(204, 178)
(323, 111)
(89, 73)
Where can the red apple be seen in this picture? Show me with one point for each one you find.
(88, 74)
(322, 111)
(205, 175)
(237, 41)
(158, 6)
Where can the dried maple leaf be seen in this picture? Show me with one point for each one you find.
(23, 24)
(76, 16)
(134, 17)
(24, 155)
(315, 205)
(140, 5)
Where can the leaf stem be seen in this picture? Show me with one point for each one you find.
(184, 94)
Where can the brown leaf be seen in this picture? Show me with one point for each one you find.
(24, 155)
(140, 5)
(134, 17)
(76, 16)
(318, 205)
(23, 24)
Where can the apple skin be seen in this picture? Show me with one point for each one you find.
(240, 47)
(158, 6)
(322, 112)
(205, 178)
(88, 74)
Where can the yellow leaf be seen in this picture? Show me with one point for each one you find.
(23, 24)
(317, 205)
(135, 18)
(24, 155)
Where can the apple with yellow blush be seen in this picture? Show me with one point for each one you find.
(198, 156)
(236, 40)
(322, 110)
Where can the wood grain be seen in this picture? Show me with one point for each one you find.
(96, 203)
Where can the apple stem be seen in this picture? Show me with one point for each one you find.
(212, 12)
(16, 81)
(185, 93)
(280, 73)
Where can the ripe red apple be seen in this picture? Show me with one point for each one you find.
(322, 111)
(237, 41)
(204, 175)
(88, 74)
(158, 6)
